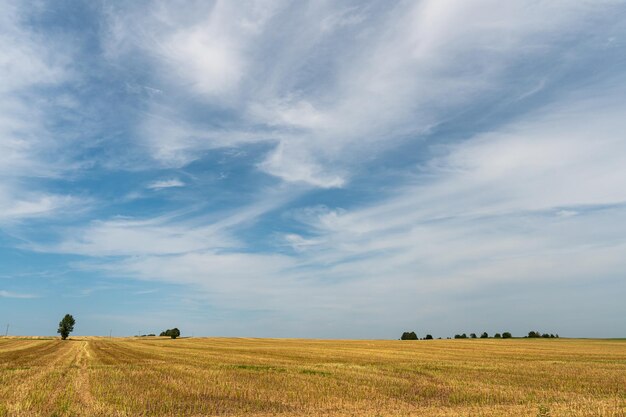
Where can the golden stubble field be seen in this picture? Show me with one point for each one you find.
(266, 377)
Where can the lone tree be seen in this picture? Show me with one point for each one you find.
(66, 326)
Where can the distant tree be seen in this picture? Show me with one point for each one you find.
(463, 336)
(545, 336)
(506, 335)
(557, 336)
(66, 326)
(484, 335)
(497, 336)
(173, 333)
(428, 337)
(473, 335)
(551, 336)
(409, 336)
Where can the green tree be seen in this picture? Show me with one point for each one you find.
(484, 335)
(429, 337)
(409, 336)
(497, 336)
(66, 326)
(173, 333)
(506, 335)
(473, 335)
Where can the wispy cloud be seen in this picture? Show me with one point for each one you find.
(30, 62)
(184, 231)
(16, 204)
(9, 294)
(404, 78)
(490, 213)
(328, 167)
(169, 183)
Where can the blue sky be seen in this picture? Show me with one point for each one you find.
(313, 169)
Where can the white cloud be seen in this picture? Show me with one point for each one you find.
(25, 59)
(169, 183)
(205, 58)
(9, 294)
(485, 213)
(127, 237)
(333, 85)
(495, 210)
(18, 202)
(175, 233)
(29, 60)
(289, 161)
(203, 49)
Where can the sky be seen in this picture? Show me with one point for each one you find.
(323, 169)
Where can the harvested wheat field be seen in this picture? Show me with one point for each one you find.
(265, 377)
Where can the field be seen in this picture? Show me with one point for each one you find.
(266, 377)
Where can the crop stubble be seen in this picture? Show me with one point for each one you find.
(264, 377)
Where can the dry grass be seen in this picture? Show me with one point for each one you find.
(262, 377)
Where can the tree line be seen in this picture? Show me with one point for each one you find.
(505, 335)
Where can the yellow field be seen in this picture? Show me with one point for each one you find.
(263, 377)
